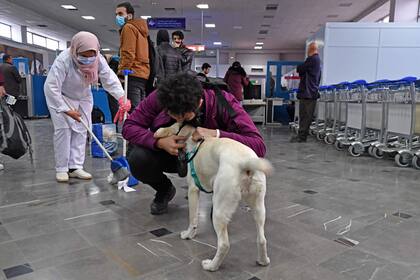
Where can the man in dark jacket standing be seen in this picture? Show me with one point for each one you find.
(134, 51)
(169, 59)
(12, 78)
(181, 98)
(310, 77)
(187, 54)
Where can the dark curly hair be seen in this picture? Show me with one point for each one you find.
(180, 93)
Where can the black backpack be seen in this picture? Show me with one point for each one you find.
(217, 85)
(15, 139)
(150, 84)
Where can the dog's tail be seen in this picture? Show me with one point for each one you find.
(257, 164)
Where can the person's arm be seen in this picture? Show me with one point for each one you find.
(136, 126)
(241, 128)
(53, 85)
(245, 81)
(127, 48)
(225, 79)
(109, 80)
(16, 75)
(2, 90)
(306, 66)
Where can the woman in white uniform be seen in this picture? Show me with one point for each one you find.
(70, 78)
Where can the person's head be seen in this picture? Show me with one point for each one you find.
(7, 58)
(123, 13)
(162, 36)
(177, 38)
(181, 96)
(206, 68)
(84, 49)
(312, 48)
(236, 64)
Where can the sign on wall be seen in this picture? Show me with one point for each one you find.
(166, 23)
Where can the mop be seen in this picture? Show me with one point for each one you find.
(129, 182)
(119, 171)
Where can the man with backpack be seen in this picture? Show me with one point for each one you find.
(134, 51)
(180, 98)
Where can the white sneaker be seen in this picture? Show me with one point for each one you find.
(80, 174)
(62, 177)
(1, 166)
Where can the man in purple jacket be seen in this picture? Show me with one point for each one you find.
(181, 98)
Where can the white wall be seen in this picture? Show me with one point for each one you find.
(370, 51)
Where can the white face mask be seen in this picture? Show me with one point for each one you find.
(86, 60)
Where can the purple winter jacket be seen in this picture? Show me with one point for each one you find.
(149, 116)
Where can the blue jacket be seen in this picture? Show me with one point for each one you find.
(310, 77)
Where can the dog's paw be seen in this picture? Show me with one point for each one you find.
(208, 265)
(189, 233)
(264, 262)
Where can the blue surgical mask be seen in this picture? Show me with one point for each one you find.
(120, 21)
(86, 60)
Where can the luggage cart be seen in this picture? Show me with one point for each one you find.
(400, 122)
(339, 120)
(355, 128)
(325, 111)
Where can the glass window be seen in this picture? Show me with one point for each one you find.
(29, 37)
(5, 30)
(39, 40)
(52, 44)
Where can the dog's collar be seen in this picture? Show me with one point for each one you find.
(194, 152)
(190, 157)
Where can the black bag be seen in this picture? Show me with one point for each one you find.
(15, 139)
(150, 84)
(97, 115)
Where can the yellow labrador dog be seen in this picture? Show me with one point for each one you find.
(231, 171)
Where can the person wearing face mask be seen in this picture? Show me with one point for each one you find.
(134, 51)
(69, 81)
(187, 54)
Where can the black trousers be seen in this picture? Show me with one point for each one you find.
(136, 91)
(148, 166)
(306, 114)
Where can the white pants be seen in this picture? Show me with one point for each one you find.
(69, 148)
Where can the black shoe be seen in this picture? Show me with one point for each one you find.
(297, 139)
(160, 206)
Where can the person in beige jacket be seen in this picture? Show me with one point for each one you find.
(134, 51)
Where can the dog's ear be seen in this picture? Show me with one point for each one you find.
(167, 131)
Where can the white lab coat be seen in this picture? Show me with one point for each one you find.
(65, 81)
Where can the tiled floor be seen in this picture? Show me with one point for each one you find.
(89, 230)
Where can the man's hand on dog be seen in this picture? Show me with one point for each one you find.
(170, 144)
(201, 133)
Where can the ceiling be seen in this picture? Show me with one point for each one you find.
(288, 26)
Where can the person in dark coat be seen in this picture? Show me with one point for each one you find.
(187, 54)
(169, 59)
(12, 78)
(236, 79)
(310, 77)
(205, 70)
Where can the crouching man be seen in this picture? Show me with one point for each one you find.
(181, 98)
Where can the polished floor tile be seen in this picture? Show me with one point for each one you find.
(90, 230)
